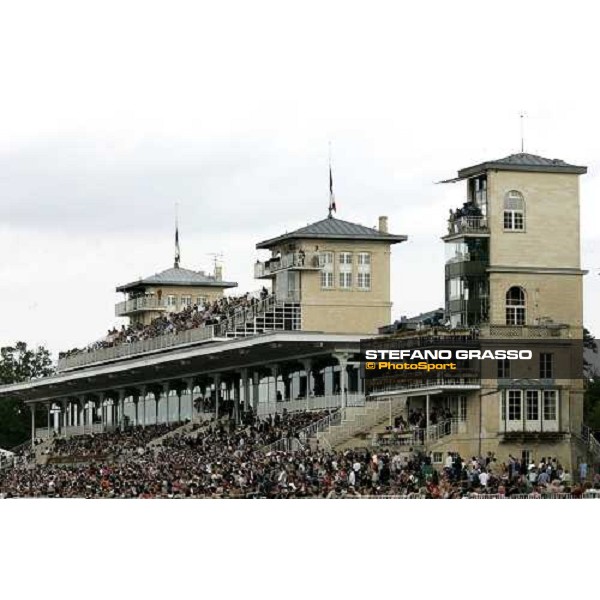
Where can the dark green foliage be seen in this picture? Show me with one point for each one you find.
(591, 399)
(17, 364)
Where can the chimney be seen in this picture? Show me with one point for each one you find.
(218, 273)
(383, 225)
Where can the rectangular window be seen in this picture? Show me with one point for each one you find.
(326, 259)
(345, 269)
(546, 364)
(518, 220)
(186, 301)
(462, 408)
(364, 259)
(345, 258)
(549, 405)
(326, 264)
(363, 277)
(526, 457)
(437, 458)
(201, 300)
(363, 281)
(326, 279)
(504, 368)
(171, 301)
(514, 405)
(346, 280)
(515, 315)
(532, 405)
(514, 220)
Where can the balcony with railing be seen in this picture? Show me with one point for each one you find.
(291, 261)
(467, 220)
(465, 380)
(528, 332)
(142, 303)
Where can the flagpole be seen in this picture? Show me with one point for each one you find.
(177, 251)
(331, 194)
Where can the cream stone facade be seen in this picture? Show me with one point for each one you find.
(550, 237)
(337, 272)
(543, 258)
(169, 291)
(349, 309)
(513, 275)
(550, 296)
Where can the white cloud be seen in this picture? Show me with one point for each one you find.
(112, 112)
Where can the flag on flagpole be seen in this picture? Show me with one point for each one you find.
(332, 206)
(177, 252)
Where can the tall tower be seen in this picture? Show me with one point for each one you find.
(513, 248)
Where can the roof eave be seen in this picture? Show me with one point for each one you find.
(388, 238)
(138, 284)
(492, 166)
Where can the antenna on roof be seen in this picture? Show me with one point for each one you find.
(331, 194)
(521, 117)
(177, 251)
(217, 269)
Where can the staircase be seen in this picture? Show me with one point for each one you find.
(181, 430)
(356, 423)
(41, 451)
(266, 315)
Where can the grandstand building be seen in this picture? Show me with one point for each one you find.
(292, 349)
(512, 273)
(171, 290)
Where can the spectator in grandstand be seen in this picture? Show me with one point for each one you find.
(191, 317)
(222, 460)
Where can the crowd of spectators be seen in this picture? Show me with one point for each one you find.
(222, 460)
(515, 476)
(191, 317)
(110, 444)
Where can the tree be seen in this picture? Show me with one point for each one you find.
(19, 363)
(589, 345)
(591, 398)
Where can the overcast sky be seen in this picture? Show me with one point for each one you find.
(111, 112)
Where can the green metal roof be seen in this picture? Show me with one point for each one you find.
(523, 162)
(177, 276)
(335, 229)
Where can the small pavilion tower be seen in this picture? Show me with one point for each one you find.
(337, 273)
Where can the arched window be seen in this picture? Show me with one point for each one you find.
(515, 306)
(514, 211)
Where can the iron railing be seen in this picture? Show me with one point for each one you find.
(292, 260)
(303, 435)
(242, 318)
(142, 303)
(191, 336)
(468, 224)
(525, 331)
(311, 403)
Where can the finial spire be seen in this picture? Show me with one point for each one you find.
(332, 207)
(521, 117)
(177, 251)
